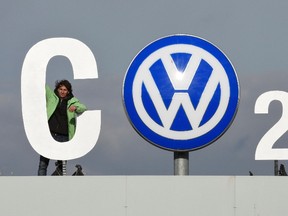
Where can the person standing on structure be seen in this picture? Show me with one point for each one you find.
(62, 109)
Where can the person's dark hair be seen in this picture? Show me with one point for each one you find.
(65, 83)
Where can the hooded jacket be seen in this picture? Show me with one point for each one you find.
(52, 101)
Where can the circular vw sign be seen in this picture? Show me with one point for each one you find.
(181, 93)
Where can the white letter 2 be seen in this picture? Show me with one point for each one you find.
(265, 150)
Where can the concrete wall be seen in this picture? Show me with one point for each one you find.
(144, 196)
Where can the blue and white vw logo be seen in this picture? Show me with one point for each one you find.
(181, 93)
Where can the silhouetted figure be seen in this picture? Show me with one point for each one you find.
(282, 171)
(250, 173)
(58, 170)
(78, 172)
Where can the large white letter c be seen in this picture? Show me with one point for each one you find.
(34, 103)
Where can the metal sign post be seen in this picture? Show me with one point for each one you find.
(181, 163)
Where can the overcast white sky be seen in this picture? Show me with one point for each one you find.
(253, 34)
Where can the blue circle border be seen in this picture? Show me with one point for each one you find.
(167, 143)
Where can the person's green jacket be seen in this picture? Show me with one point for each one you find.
(51, 103)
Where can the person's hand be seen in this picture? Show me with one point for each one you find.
(72, 108)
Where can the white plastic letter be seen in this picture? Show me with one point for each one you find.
(34, 102)
(265, 150)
